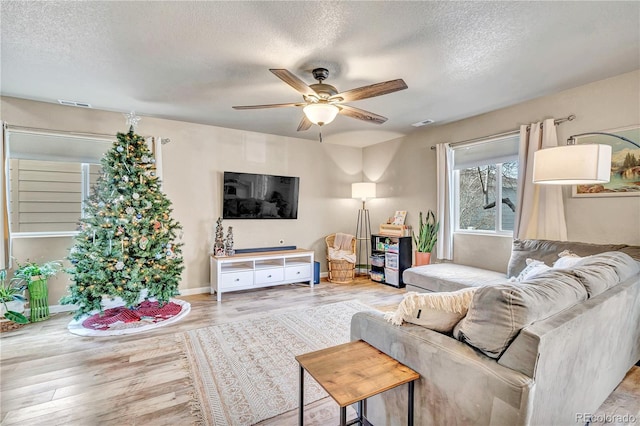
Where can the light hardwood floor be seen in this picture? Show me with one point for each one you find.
(51, 377)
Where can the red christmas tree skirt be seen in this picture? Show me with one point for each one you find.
(121, 320)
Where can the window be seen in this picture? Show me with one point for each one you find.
(49, 176)
(46, 196)
(486, 181)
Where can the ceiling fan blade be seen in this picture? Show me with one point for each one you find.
(305, 124)
(370, 91)
(361, 114)
(294, 82)
(269, 106)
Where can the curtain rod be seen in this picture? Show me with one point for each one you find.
(57, 132)
(556, 121)
(512, 132)
(164, 141)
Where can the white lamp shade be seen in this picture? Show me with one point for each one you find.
(572, 165)
(321, 113)
(363, 190)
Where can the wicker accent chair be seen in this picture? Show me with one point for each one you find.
(340, 271)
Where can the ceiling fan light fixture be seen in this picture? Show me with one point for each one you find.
(321, 113)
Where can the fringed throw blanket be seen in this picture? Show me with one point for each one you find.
(437, 311)
(341, 249)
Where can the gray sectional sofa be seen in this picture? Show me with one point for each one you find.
(546, 351)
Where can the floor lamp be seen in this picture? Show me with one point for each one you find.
(589, 163)
(363, 191)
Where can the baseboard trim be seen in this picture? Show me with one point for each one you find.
(55, 309)
(192, 291)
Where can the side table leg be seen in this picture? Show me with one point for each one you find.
(301, 395)
(410, 405)
(343, 416)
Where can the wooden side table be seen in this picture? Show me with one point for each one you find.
(353, 372)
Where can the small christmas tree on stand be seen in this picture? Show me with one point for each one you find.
(218, 245)
(127, 239)
(228, 244)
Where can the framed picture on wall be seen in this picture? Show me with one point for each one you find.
(625, 165)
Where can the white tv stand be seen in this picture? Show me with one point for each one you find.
(247, 271)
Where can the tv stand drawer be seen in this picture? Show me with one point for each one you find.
(301, 273)
(269, 276)
(237, 279)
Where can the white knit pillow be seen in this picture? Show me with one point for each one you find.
(436, 311)
(567, 260)
(533, 268)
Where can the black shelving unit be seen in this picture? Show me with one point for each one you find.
(390, 256)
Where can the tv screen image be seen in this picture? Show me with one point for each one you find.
(259, 196)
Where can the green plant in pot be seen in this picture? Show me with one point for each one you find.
(35, 277)
(426, 238)
(12, 299)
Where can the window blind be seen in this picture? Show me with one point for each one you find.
(52, 147)
(489, 151)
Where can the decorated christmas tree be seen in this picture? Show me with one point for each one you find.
(127, 241)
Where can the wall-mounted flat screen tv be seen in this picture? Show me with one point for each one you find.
(258, 196)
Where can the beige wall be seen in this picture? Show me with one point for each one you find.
(193, 164)
(405, 168)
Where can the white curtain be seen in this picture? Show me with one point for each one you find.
(444, 215)
(540, 211)
(5, 244)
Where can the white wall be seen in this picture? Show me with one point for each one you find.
(405, 168)
(193, 164)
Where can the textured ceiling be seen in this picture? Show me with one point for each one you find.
(192, 61)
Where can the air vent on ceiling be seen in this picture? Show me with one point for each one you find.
(74, 103)
(422, 123)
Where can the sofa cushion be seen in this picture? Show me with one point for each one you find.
(498, 313)
(436, 311)
(547, 251)
(602, 271)
(450, 277)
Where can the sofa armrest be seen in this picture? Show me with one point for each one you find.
(457, 385)
(591, 346)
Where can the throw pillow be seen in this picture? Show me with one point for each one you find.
(498, 313)
(437, 311)
(603, 271)
(567, 259)
(533, 268)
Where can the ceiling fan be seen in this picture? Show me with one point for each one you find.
(322, 102)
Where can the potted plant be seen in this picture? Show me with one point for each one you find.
(12, 300)
(426, 238)
(35, 277)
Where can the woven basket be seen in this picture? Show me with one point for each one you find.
(6, 325)
(340, 271)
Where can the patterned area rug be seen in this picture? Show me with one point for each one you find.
(245, 372)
